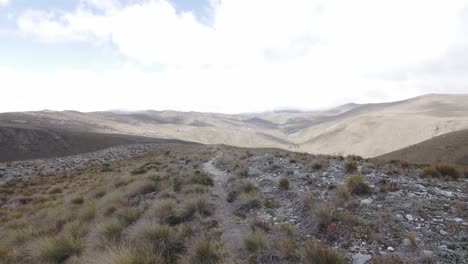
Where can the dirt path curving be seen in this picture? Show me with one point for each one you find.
(233, 229)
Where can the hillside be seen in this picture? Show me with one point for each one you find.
(21, 143)
(368, 130)
(448, 148)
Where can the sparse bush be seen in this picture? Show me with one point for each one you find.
(255, 241)
(57, 250)
(356, 185)
(441, 170)
(351, 166)
(140, 188)
(319, 253)
(284, 183)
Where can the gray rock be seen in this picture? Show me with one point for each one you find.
(390, 249)
(409, 217)
(361, 258)
(442, 232)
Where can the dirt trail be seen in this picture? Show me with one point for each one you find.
(233, 229)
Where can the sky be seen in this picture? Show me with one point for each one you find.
(228, 56)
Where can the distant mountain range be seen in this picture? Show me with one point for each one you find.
(368, 130)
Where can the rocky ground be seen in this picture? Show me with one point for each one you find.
(44, 167)
(414, 219)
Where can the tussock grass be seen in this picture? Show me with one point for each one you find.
(356, 185)
(255, 242)
(204, 251)
(56, 249)
(441, 170)
(319, 253)
(350, 166)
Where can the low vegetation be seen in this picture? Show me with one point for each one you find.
(441, 170)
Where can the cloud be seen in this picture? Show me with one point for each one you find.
(257, 54)
(4, 2)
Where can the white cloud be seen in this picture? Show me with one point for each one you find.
(4, 2)
(255, 54)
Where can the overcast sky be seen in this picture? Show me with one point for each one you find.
(228, 56)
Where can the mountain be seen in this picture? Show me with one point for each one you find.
(448, 148)
(368, 130)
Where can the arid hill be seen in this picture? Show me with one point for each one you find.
(367, 130)
(447, 148)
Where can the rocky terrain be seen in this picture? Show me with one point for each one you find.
(190, 203)
(46, 167)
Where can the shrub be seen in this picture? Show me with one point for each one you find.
(356, 185)
(88, 212)
(255, 241)
(140, 188)
(259, 224)
(284, 183)
(58, 250)
(441, 170)
(350, 166)
(318, 253)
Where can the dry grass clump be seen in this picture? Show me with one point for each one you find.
(386, 260)
(284, 183)
(255, 241)
(140, 188)
(342, 195)
(56, 249)
(319, 253)
(125, 255)
(202, 179)
(288, 248)
(356, 185)
(248, 201)
(196, 204)
(441, 170)
(324, 214)
(350, 166)
(412, 239)
(108, 232)
(204, 251)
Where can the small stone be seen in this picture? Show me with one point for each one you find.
(409, 217)
(366, 201)
(442, 232)
(427, 254)
(361, 258)
(390, 249)
(458, 220)
(442, 247)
